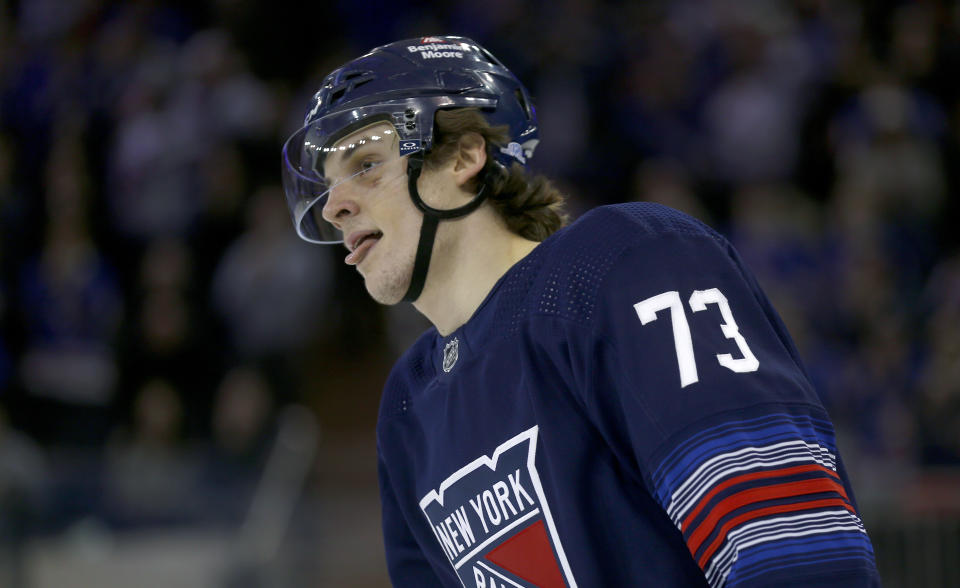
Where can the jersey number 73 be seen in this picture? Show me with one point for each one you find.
(647, 311)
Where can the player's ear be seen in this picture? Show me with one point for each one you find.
(471, 157)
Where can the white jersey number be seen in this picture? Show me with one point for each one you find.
(647, 311)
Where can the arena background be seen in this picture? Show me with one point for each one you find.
(188, 393)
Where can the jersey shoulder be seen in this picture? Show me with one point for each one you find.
(576, 261)
(640, 220)
(606, 232)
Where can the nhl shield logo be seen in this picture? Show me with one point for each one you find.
(451, 352)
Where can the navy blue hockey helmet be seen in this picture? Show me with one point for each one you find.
(404, 83)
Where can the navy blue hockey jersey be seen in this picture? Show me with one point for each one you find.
(624, 409)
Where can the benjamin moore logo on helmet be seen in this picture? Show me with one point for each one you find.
(433, 47)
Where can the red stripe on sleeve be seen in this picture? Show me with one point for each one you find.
(740, 499)
(753, 514)
(750, 477)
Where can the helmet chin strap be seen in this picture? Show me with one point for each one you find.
(428, 229)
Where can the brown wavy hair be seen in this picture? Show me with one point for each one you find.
(530, 204)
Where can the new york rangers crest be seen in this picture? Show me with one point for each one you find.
(451, 351)
(493, 522)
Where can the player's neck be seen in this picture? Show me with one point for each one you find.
(468, 260)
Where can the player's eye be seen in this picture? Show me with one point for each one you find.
(366, 166)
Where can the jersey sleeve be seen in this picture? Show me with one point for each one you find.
(692, 379)
(406, 563)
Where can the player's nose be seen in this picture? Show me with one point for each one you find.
(339, 206)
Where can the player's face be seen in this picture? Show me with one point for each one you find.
(370, 203)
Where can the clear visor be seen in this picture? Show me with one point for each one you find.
(327, 172)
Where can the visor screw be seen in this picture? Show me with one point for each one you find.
(409, 113)
(411, 125)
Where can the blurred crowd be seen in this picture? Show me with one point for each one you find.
(157, 309)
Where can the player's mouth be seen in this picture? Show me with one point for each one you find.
(360, 245)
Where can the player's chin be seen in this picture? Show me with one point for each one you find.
(385, 290)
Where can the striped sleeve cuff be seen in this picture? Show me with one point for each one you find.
(756, 498)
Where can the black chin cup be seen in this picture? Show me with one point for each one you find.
(428, 229)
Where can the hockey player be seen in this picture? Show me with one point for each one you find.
(613, 403)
